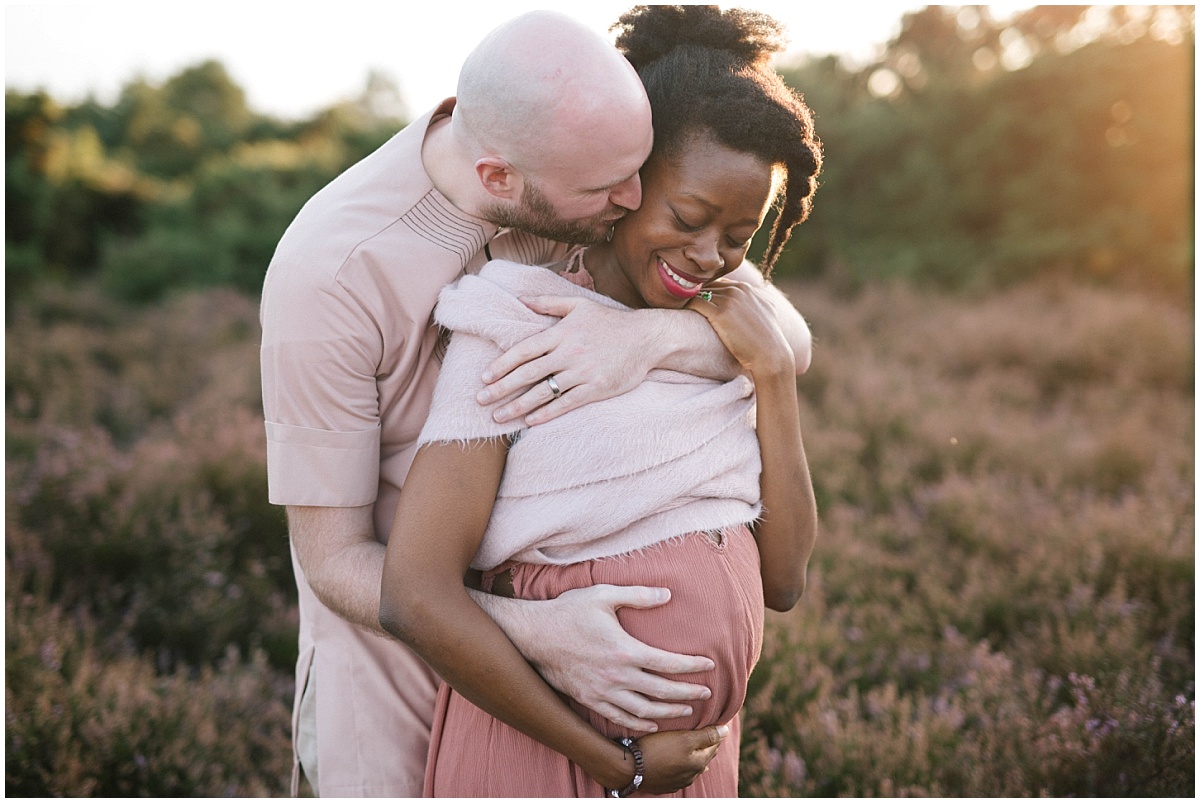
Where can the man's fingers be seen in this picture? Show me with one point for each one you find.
(671, 663)
(549, 412)
(537, 398)
(501, 372)
(665, 692)
(623, 718)
(635, 705)
(636, 712)
(580, 396)
(557, 306)
(522, 377)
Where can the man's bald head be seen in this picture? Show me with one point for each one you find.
(542, 75)
(553, 99)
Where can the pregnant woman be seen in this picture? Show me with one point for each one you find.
(695, 485)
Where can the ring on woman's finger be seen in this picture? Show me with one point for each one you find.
(554, 388)
(706, 295)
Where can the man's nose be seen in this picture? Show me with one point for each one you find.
(628, 194)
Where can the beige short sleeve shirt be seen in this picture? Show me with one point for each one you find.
(348, 371)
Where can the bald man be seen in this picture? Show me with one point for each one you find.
(546, 136)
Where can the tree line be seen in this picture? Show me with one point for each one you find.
(973, 152)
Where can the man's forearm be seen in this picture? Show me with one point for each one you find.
(341, 560)
(684, 341)
(349, 584)
(509, 614)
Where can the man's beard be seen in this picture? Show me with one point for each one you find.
(535, 215)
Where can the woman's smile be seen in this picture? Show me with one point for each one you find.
(678, 284)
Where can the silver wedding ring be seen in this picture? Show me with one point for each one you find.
(706, 295)
(554, 388)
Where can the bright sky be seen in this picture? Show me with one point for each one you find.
(295, 58)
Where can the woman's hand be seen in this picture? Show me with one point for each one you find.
(673, 759)
(746, 324)
(787, 530)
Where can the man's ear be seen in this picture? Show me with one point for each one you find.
(499, 178)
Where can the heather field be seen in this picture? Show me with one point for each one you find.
(1001, 601)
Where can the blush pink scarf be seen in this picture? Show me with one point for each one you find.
(677, 454)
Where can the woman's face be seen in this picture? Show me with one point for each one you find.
(699, 210)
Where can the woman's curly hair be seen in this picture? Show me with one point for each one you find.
(707, 72)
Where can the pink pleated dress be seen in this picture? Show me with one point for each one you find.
(716, 609)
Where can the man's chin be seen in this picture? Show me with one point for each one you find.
(596, 235)
(579, 233)
(537, 221)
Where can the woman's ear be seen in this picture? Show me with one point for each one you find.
(499, 178)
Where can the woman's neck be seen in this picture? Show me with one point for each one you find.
(601, 262)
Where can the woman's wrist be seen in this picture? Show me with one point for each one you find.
(767, 371)
(639, 769)
(614, 767)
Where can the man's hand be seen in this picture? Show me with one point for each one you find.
(594, 353)
(597, 352)
(576, 643)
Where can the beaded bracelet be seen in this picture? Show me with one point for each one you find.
(639, 769)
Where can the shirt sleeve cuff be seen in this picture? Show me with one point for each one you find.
(322, 468)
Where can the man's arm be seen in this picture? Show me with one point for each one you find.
(574, 641)
(341, 560)
(596, 352)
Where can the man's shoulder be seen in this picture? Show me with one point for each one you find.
(366, 198)
(382, 209)
(515, 245)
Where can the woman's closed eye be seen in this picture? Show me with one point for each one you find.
(685, 225)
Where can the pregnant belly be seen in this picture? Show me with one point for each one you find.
(716, 610)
